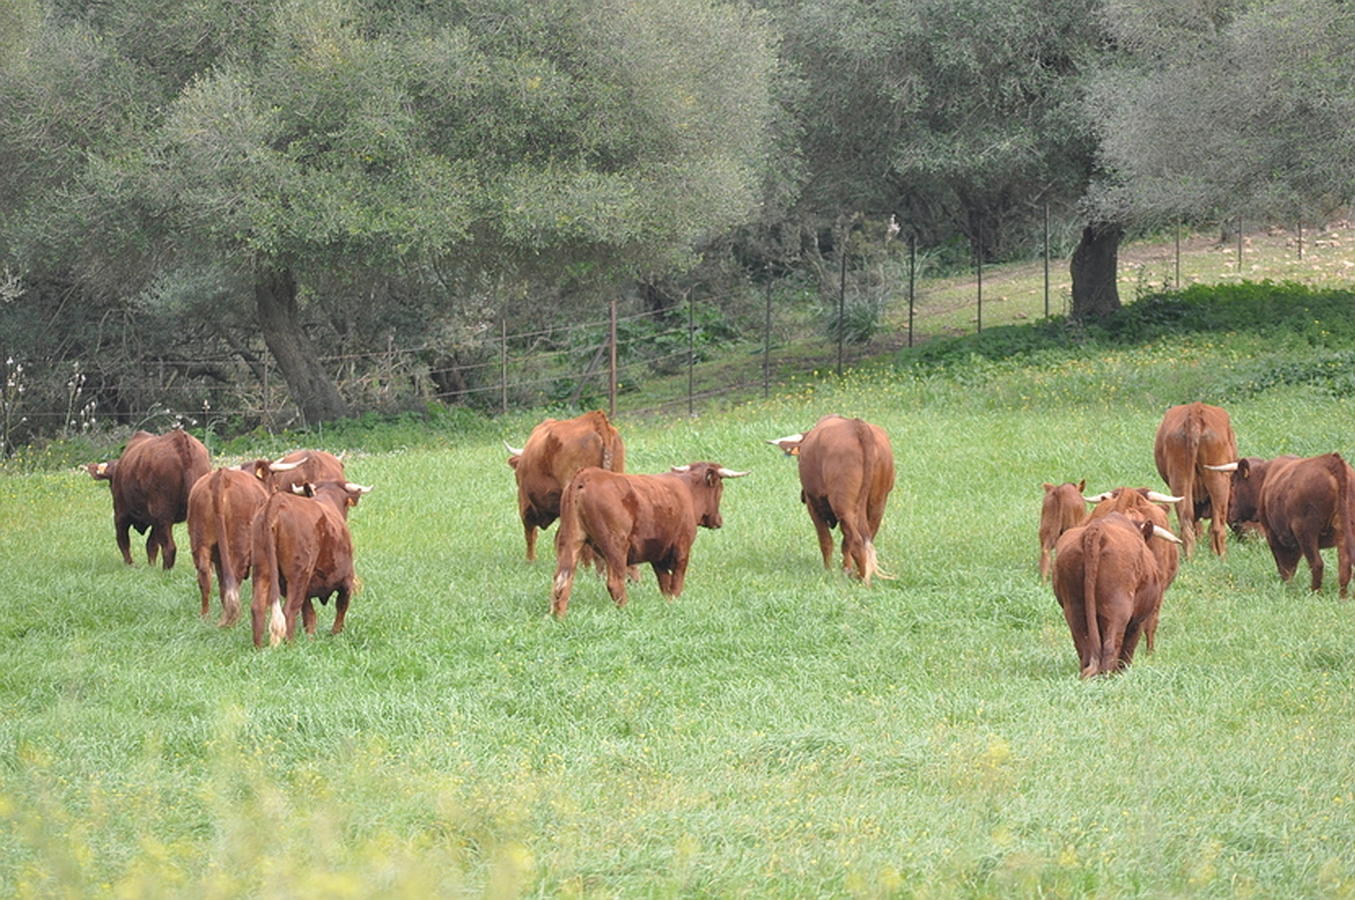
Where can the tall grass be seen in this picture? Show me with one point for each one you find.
(778, 730)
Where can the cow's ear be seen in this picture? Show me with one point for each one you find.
(261, 469)
(712, 478)
(1082, 485)
(1047, 487)
(1148, 530)
(1243, 468)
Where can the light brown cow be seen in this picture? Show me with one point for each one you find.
(555, 450)
(1141, 505)
(846, 474)
(1063, 508)
(632, 519)
(1306, 506)
(150, 483)
(1107, 581)
(221, 508)
(1192, 438)
(301, 543)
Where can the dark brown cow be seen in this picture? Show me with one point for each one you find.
(302, 546)
(150, 483)
(1305, 507)
(1107, 581)
(1244, 501)
(1192, 438)
(632, 519)
(1063, 508)
(221, 508)
(555, 450)
(846, 474)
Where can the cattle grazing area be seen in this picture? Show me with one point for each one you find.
(778, 729)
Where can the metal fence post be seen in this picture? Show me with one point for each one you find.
(978, 267)
(767, 339)
(842, 299)
(1239, 243)
(503, 364)
(1300, 239)
(691, 357)
(1178, 256)
(912, 282)
(611, 351)
(1046, 260)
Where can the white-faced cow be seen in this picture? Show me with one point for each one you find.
(150, 483)
(555, 450)
(1193, 440)
(631, 519)
(1107, 581)
(302, 548)
(846, 474)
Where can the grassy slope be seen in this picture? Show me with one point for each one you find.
(777, 730)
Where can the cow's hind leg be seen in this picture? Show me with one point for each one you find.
(308, 616)
(1114, 628)
(825, 534)
(341, 606)
(203, 561)
(122, 529)
(163, 535)
(1313, 554)
(616, 577)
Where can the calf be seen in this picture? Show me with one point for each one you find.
(1107, 581)
(301, 545)
(1063, 508)
(150, 484)
(631, 519)
(221, 508)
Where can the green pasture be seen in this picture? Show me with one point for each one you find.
(776, 731)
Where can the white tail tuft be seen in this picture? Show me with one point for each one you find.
(277, 625)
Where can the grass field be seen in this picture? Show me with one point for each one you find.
(777, 731)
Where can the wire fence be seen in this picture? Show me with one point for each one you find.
(630, 360)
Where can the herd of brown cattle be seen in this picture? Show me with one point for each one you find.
(1112, 564)
(285, 520)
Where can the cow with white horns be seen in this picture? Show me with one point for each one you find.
(632, 519)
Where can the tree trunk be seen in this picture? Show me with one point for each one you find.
(311, 387)
(1095, 294)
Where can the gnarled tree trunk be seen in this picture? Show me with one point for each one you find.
(310, 385)
(1094, 267)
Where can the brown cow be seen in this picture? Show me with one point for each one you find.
(300, 467)
(846, 474)
(1306, 506)
(221, 508)
(1192, 440)
(1107, 581)
(301, 544)
(150, 483)
(1063, 508)
(1244, 490)
(1141, 505)
(632, 519)
(555, 450)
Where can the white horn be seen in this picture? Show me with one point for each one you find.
(280, 466)
(788, 439)
(1163, 498)
(1099, 497)
(730, 473)
(299, 489)
(1165, 534)
(361, 489)
(512, 451)
(1226, 467)
(685, 468)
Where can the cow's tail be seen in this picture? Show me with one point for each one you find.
(568, 537)
(230, 579)
(267, 590)
(870, 458)
(1091, 565)
(1185, 476)
(1345, 533)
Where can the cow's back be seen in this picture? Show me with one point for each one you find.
(155, 475)
(844, 463)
